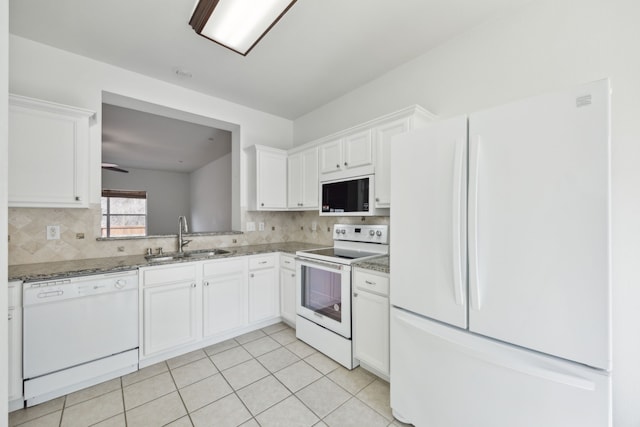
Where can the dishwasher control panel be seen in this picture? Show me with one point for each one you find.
(84, 286)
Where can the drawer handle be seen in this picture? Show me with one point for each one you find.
(287, 262)
(369, 282)
(262, 262)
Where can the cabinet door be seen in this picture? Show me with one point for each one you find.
(331, 157)
(15, 353)
(224, 302)
(383, 135)
(371, 330)
(272, 180)
(358, 150)
(48, 154)
(294, 181)
(310, 178)
(263, 295)
(288, 295)
(171, 316)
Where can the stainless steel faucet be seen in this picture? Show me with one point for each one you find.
(183, 227)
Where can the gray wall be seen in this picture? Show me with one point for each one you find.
(211, 196)
(168, 195)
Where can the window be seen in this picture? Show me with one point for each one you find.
(124, 213)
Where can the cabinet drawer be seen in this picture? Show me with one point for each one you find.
(15, 294)
(169, 274)
(372, 282)
(262, 262)
(288, 262)
(223, 267)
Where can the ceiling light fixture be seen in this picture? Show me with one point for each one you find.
(237, 24)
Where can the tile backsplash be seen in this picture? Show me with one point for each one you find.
(28, 241)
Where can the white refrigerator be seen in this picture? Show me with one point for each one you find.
(500, 265)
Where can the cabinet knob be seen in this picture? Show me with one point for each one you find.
(293, 275)
(10, 316)
(370, 283)
(377, 199)
(355, 294)
(345, 163)
(261, 204)
(193, 285)
(206, 283)
(338, 165)
(77, 198)
(251, 275)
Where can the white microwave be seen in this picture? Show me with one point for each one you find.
(349, 197)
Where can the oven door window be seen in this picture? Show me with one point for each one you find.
(322, 292)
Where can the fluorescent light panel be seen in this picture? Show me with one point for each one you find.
(237, 24)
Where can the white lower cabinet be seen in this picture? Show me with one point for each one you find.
(263, 288)
(190, 305)
(15, 346)
(224, 296)
(371, 320)
(288, 288)
(171, 309)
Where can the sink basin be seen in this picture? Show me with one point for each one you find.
(164, 257)
(202, 253)
(205, 253)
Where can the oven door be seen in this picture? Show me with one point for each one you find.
(323, 294)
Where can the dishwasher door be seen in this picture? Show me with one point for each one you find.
(74, 321)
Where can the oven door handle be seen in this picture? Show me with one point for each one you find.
(318, 263)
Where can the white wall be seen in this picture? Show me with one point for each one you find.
(168, 195)
(4, 113)
(546, 45)
(40, 71)
(211, 196)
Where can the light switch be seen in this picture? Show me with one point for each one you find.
(251, 226)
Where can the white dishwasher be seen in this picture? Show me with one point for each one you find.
(78, 332)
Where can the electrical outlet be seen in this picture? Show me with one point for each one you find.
(314, 226)
(261, 226)
(251, 226)
(53, 232)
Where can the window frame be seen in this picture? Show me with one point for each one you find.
(124, 194)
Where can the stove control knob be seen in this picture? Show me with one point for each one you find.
(343, 231)
(378, 233)
(371, 232)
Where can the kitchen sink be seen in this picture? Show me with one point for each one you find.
(202, 253)
(205, 253)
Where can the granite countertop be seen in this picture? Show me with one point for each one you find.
(380, 264)
(83, 267)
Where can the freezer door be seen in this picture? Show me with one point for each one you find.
(428, 221)
(442, 376)
(539, 257)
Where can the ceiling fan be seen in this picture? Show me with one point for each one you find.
(113, 167)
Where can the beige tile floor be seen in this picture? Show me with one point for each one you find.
(263, 378)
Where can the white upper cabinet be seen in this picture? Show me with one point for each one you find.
(48, 154)
(382, 136)
(302, 189)
(267, 178)
(349, 152)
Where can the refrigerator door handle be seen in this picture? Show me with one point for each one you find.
(458, 194)
(474, 174)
